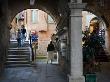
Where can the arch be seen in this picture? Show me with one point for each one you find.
(98, 10)
(49, 7)
(38, 9)
(99, 15)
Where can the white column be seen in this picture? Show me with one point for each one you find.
(76, 42)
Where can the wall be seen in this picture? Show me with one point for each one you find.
(4, 34)
(45, 37)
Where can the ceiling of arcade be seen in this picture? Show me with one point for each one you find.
(57, 7)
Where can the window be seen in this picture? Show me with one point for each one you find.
(50, 20)
(34, 16)
(15, 20)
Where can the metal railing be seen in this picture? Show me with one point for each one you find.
(32, 52)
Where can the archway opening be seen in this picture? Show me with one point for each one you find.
(40, 26)
(94, 42)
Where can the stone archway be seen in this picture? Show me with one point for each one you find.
(101, 9)
(17, 6)
(8, 10)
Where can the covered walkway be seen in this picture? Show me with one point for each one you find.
(67, 15)
(41, 72)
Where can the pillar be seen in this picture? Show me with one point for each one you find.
(4, 32)
(76, 74)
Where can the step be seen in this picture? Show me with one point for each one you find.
(15, 45)
(19, 48)
(19, 65)
(102, 58)
(17, 62)
(19, 53)
(15, 51)
(17, 59)
(16, 40)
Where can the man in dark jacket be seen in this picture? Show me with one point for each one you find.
(23, 31)
(50, 50)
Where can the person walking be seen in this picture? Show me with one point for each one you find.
(19, 38)
(23, 35)
(50, 52)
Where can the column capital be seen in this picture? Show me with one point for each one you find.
(77, 5)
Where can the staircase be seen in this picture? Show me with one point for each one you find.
(102, 57)
(18, 56)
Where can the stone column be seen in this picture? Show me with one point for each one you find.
(76, 42)
(4, 32)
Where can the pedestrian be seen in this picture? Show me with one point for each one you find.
(50, 52)
(23, 34)
(19, 38)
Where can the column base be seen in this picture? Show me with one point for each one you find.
(80, 79)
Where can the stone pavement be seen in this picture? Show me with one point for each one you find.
(104, 74)
(41, 72)
(103, 77)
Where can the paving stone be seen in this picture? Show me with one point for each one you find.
(42, 72)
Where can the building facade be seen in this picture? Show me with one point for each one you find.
(36, 22)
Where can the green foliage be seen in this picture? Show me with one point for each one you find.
(92, 46)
